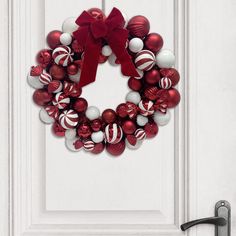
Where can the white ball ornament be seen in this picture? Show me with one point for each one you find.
(133, 97)
(44, 117)
(70, 144)
(165, 58)
(142, 120)
(34, 82)
(133, 147)
(112, 60)
(106, 51)
(161, 118)
(69, 25)
(92, 113)
(66, 39)
(136, 45)
(97, 137)
(70, 133)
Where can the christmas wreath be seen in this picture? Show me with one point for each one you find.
(71, 63)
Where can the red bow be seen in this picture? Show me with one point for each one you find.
(91, 34)
(161, 103)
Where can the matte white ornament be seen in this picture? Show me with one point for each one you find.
(92, 113)
(44, 117)
(66, 39)
(70, 133)
(69, 25)
(136, 45)
(133, 147)
(34, 82)
(70, 145)
(106, 51)
(133, 97)
(97, 137)
(142, 120)
(75, 78)
(112, 59)
(140, 72)
(165, 58)
(162, 119)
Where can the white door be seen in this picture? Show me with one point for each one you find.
(48, 191)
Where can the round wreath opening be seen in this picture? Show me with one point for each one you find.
(70, 63)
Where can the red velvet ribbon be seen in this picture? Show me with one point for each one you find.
(92, 33)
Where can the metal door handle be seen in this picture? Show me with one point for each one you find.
(221, 220)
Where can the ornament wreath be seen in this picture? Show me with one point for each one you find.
(71, 63)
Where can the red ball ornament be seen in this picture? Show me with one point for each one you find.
(58, 130)
(96, 125)
(121, 110)
(173, 98)
(72, 69)
(152, 76)
(53, 39)
(102, 59)
(153, 42)
(54, 86)
(71, 89)
(98, 148)
(84, 131)
(151, 130)
(116, 149)
(44, 57)
(41, 97)
(36, 70)
(109, 116)
(80, 105)
(57, 72)
(132, 110)
(97, 13)
(151, 93)
(138, 26)
(172, 74)
(134, 84)
(129, 127)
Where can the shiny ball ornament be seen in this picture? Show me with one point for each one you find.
(128, 127)
(69, 25)
(102, 59)
(68, 119)
(97, 137)
(44, 117)
(80, 105)
(165, 58)
(52, 111)
(135, 45)
(70, 134)
(133, 97)
(58, 130)
(151, 130)
(106, 51)
(133, 146)
(84, 131)
(74, 144)
(62, 55)
(144, 60)
(172, 74)
(140, 134)
(152, 77)
(36, 70)
(165, 83)
(57, 72)
(92, 113)
(151, 93)
(134, 84)
(162, 119)
(142, 120)
(45, 78)
(116, 149)
(96, 125)
(109, 116)
(89, 145)
(141, 73)
(66, 39)
(34, 82)
(71, 89)
(121, 110)
(146, 108)
(98, 148)
(153, 42)
(112, 59)
(44, 57)
(173, 97)
(75, 78)
(113, 133)
(41, 97)
(138, 26)
(97, 13)
(131, 109)
(55, 86)
(53, 38)
(61, 101)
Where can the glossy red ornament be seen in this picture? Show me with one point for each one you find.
(53, 39)
(134, 84)
(77, 47)
(57, 72)
(36, 70)
(54, 86)
(138, 26)
(97, 13)
(128, 127)
(102, 59)
(121, 110)
(84, 131)
(151, 130)
(98, 148)
(44, 57)
(58, 130)
(172, 74)
(173, 97)
(116, 149)
(72, 69)
(41, 97)
(78, 144)
(71, 89)
(96, 125)
(151, 93)
(153, 42)
(109, 116)
(80, 105)
(152, 76)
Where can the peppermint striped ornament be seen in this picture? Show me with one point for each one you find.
(113, 133)
(52, 111)
(165, 83)
(45, 78)
(62, 55)
(144, 60)
(61, 101)
(68, 119)
(140, 134)
(89, 145)
(146, 108)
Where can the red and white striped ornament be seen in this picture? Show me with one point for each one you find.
(55, 86)
(52, 111)
(45, 78)
(144, 60)
(71, 89)
(140, 134)
(165, 83)
(68, 119)
(62, 55)
(113, 133)
(61, 100)
(89, 145)
(146, 108)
